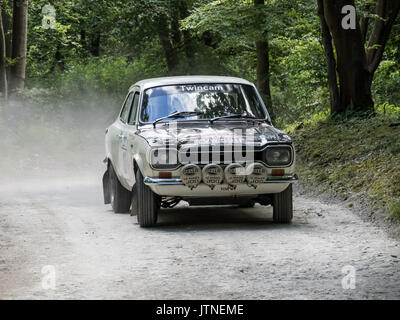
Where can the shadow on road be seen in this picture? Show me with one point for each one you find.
(183, 219)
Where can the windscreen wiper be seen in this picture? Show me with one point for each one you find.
(177, 114)
(237, 116)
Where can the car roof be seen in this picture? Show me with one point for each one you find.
(164, 81)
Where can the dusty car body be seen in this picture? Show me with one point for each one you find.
(203, 139)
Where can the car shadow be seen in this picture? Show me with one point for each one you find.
(216, 218)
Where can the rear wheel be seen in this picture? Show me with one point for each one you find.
(283, 206)
(120, 197)
(148, 203)
(134, 205)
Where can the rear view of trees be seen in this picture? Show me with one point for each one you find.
(13, 53)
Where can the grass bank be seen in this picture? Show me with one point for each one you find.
(357, 160)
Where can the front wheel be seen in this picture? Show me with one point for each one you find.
(283, 206)
(148, 203)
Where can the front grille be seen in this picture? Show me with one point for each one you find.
(221, 156)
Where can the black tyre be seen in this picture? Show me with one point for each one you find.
(283, 206)
(148, 203)
(134, 205)
(120, 197)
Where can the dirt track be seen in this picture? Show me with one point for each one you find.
(194, 253)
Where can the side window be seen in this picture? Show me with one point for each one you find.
(132, 117)
(127, 107)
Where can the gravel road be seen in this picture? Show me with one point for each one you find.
(60, 227)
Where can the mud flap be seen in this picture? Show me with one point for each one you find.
(134, 206)
(106, 188)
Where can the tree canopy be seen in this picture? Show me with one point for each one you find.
(297, 52)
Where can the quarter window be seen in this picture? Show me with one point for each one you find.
(133, 114)
(125, 110)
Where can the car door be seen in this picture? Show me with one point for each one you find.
(131, 141)
(121, 137)
(113, 134)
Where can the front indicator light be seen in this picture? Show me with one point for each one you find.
(165, 175)
(277, 172)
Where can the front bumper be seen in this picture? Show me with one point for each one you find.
(175, 187)
(178, 182)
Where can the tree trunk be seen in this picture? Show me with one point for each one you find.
(3, 72)
(163, 33)
(176, 35)
(95, 45)
(208, 40)
(83, 38)
(7, 26)
(364, 22)
(262, 69)
(387, 11)
(364, 27)
(330, 60)
(58, 60)
(355, 78)
(187, 38)
(355, 65)
(19, 39)
(59, 57)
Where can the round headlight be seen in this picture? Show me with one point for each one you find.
(278, 156)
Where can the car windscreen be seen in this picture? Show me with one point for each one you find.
(209, 100)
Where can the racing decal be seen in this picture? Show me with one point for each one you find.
(193, 88)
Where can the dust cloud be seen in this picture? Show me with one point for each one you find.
(54, 141)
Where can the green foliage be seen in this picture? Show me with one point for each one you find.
(298, 78)
(388, 110)
(105, 75)
(64, 60)
(238, 23)
(221, 34)
(395, 210)
(298, 72)
(387, 83)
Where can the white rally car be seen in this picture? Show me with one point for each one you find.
(203, 139)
